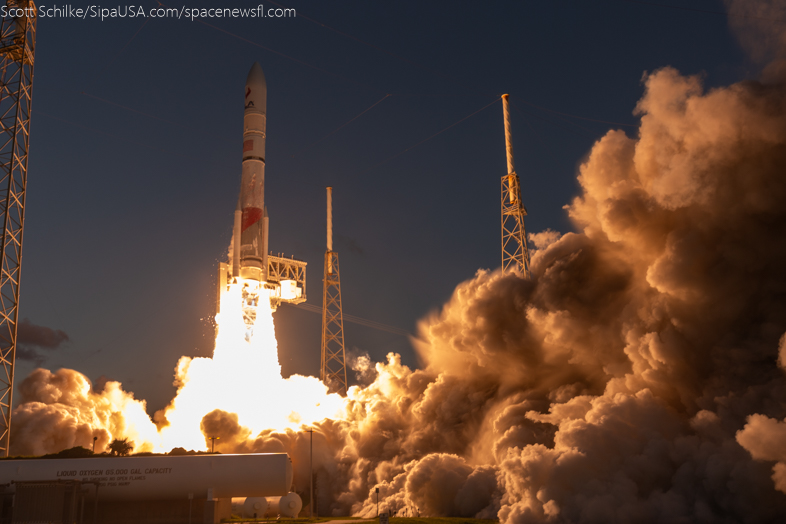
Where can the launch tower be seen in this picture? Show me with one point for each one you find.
(17, 53)
(515, 255)
(333, 371)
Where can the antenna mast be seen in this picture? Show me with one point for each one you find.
(515, 255)
(333, 371)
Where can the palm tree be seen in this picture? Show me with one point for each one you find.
(121, 448)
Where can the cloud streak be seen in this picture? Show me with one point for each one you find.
(31, 337)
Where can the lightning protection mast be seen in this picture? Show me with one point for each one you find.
(333, 371)
(515, 255)
(17, 52)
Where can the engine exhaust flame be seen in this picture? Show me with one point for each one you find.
(243, 377)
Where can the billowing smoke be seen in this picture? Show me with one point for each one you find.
(634, 378)
(362, 367)
(61, 410)
(765, 438)
(759, 26)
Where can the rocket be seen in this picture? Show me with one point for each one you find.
(250, 239)
(250, 263)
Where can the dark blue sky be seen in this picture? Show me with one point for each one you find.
(136, 145)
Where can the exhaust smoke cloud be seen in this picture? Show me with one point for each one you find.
(634, 378)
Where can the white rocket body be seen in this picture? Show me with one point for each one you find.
(252, 244)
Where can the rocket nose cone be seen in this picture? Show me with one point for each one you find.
(256, 88)
(255, 75)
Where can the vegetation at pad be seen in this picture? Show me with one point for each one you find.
(394, 520)
(122, 446)
(439, 520)
(298, 520)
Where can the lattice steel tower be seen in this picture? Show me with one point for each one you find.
(17, 52)
(515, 255)
(333, 371)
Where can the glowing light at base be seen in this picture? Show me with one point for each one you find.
(243, 377)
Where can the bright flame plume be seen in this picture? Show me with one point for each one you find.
(243, 377)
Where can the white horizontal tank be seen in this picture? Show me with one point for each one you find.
(164, 477)
(287, 506)
(255, 507)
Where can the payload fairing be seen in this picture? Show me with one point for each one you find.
(249, 263)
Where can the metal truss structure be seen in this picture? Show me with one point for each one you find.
(280, 269)
(17, 53)
(515, 254)
(333, 369)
